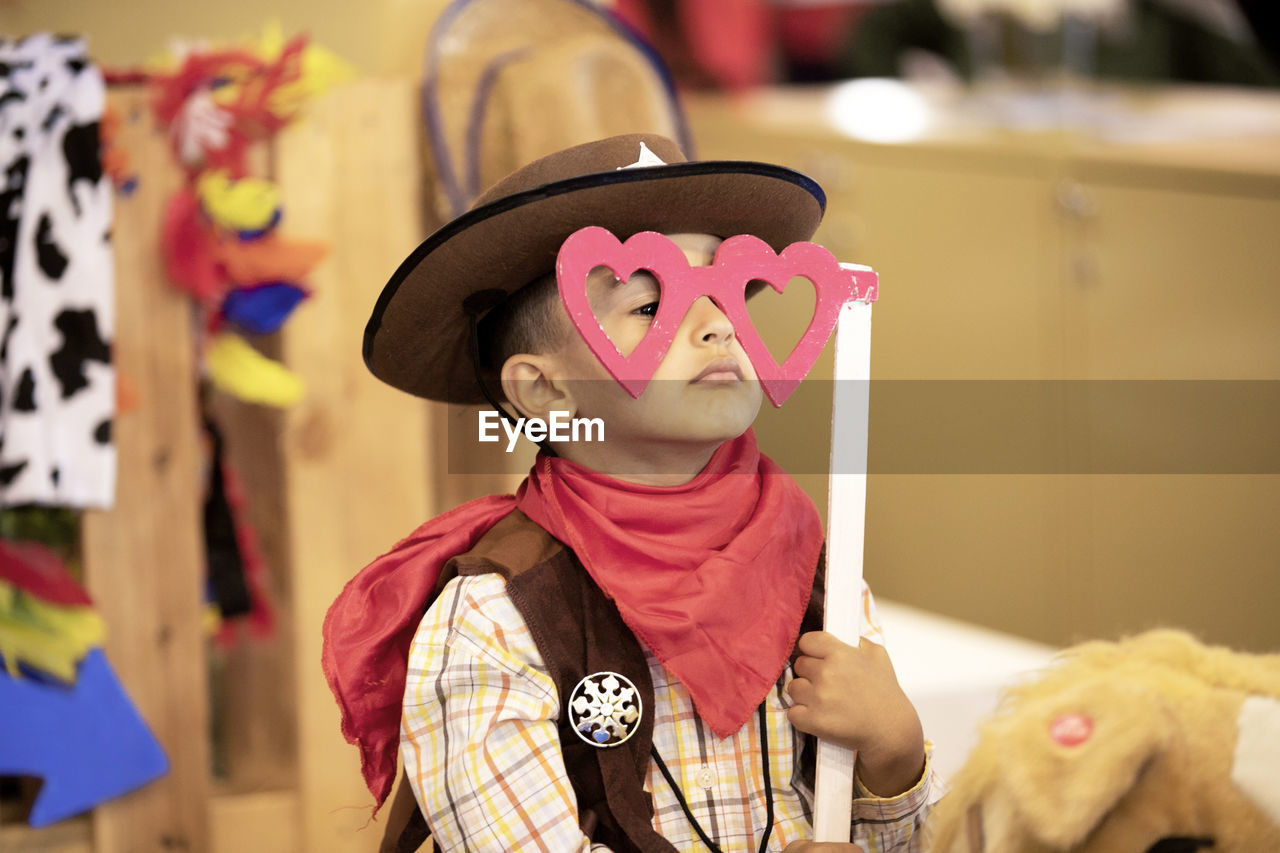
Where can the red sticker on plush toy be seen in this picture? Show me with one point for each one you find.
(738, 261)
(1071, 729)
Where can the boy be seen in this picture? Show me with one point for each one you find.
(607, 661)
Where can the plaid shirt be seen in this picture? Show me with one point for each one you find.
(481, 748)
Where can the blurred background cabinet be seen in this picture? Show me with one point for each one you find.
(1066, 267)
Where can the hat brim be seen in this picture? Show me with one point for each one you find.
(417, 338)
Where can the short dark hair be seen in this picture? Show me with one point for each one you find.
(529, 320)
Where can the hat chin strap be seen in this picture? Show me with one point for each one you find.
(474, 312)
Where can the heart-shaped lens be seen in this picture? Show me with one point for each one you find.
(781, 314)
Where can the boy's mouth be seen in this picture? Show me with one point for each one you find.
(720, 370)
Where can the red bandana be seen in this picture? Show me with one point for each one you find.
(713, 576)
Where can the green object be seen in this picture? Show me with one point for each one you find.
(54, 526)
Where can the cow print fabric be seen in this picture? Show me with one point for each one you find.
(57, 387)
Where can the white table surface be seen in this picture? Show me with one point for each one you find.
(953, 672)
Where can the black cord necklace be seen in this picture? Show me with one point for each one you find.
(768, 791)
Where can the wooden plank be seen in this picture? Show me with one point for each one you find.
(255, 748)
(143, 559)
(355, 461)
(68, 836)
(247, 823)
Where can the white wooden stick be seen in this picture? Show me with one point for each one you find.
(846, 523)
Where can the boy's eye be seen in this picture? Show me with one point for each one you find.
(647, 310)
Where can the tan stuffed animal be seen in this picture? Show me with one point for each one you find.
(1155, 744)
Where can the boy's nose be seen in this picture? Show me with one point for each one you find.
(709, 323)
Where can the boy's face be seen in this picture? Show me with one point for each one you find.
(704, 391)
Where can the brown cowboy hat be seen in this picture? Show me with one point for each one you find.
(418, 338)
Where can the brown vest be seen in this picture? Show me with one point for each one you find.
(578, 631)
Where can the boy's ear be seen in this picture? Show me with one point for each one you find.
(531, 385)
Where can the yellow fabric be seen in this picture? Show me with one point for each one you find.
(321, 70)
(240, 370)
(48, 637)
(249, 204)
(210, 620)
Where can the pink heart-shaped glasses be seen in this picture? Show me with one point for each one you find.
(738, 261)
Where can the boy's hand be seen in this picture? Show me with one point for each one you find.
(821, 847)
(851, 696)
